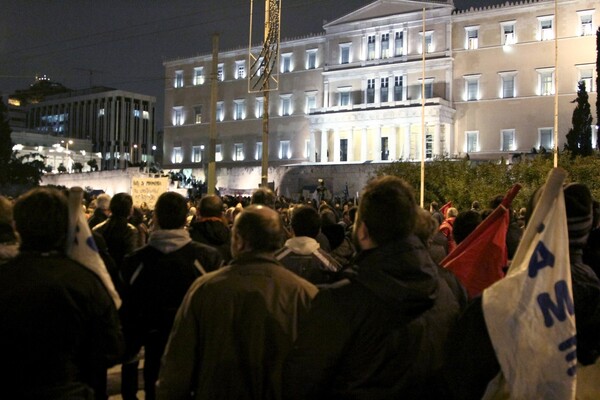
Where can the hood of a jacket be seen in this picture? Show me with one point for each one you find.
(401, 273)
(302, 245)
(169, 240)
(215, 232)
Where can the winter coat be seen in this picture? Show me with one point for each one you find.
(120, 236)
(59, 328)
(213, 232)
(379, 334)
(303, 256)
(233, 331)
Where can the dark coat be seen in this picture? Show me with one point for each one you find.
(97, 217)
(378, 335)
(213, 233)
(59, 328)
(120, 236)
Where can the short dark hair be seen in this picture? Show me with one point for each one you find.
(210, 206)
(434, 205)
(305, 221)
(170, 210)
(121, 205)
(262, 232)
(263, 195)
(464, 224)
(42, 219)
(388, 209)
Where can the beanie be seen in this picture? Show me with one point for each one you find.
(578, 205)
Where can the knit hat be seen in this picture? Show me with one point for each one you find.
(578, 204)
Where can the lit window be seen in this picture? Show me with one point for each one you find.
(311, 59)
(472, 142)
(198, 114)
(398, 88)
(220, 75)
(136, 113)
(218, 153)
(472, 87)
(177, 116)
(385, 45)
(546, 138)
(585, 76)
(428, 146)
(428, 87)
(508, 33)
(311, 103)
(238, 152)
(371, 47)
(508, 140)
(586, 28)
(240, 69)
(286, 104)
(428, 42)
(472, 38)
(220, 111)
(546, 81)
(286, 63)
(370, 94)
(508, 85)
(384, 89)
(258, 153)
(399, 44)
(178, 79)
(198, 76)
(177, 155)
(239, 109)
(145, 115)
(546, 28)
(344, 98)
(345, 53)
(101, 112)
(285, 152)
(197, 154)
(259, 107)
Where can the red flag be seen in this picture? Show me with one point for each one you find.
(445, 208)
(478, 260)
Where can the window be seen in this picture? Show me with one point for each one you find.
(286, 104)
(177, 116)
(385, 45)
(136, 113)
(428, 87)
(472, 142)
(371, 47)
(198, 76)
(258, 153)
(177, 155)
(311, 102)
(286, 62)
(240, 69)
(585, 76)
(508, 84)
(428, 42)
(307, 149)
(238, 152)
(145, 115)
(472, 38)
(345, 53)
(220, 111)
(546, 28)
(259, 66)
(259, 107)
(197, 153)
(345, 98)
(220, 75)
(508, 33)
(586, 27)
(343, 149)
(218, 153)
(428, 145)
(311, 59)
(472, 87)
(508, 140)
(198, 114)
(399, 44)
(385, 149)
(384, 89)
(370, 95)
(547, 138)
(178, 79)
(546, 81)
(239, 109)
(285, 152)
(398, 88)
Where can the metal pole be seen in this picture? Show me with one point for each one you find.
(211, 182)
(264, 173)
(422, 202)
(555, 83)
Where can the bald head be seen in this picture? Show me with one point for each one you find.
(210, 206)
(257, 228)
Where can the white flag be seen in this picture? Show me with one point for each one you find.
(81, 246)
(530, 314)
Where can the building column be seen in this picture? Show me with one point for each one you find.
(363, 145)
(436, 141)
(351, 144)
(377, 144)
(336, 145)
(312, 157)
(406, 152)
(326, 94)
(393, 142)
(324, 145)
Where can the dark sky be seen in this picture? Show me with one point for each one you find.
(123, 43)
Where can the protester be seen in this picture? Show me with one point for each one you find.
(101, 212)
(434, 209)
(210, 226)
(236, 325)
(447, 229)
(464, 224)
(302, 254)
(157, 277)
(9, 244)
(60, 329)
(380, 333)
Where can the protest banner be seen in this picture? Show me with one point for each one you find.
(146, 190)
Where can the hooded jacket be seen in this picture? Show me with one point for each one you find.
(379, 334)
(303, 256)
(213, 232)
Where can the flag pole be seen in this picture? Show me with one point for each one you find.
(555, 83)
(422, 197)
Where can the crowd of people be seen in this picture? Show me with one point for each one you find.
(260, 297)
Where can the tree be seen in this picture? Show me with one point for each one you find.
(77, 167)
(579, 138)
(93, 164)
(6, 145)
(597, 83)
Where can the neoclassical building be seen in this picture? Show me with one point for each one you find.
(480, 82)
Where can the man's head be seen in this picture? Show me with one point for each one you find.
(387, 211)
(121, 205)
(305, 221)
(210, 206)
(256, 229)
(452, 213)
(465, 223)
(103, 202)
(42, 219)
(264, 196)
(434, 206)
(170, 211)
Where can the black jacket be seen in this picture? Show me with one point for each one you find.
(378, 335)
(213, 233)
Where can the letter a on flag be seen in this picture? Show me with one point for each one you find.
(81, 246)
(529, 314)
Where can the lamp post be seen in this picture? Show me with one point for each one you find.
(68, 156)
(135, 155)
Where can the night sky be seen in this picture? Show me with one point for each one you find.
(123, 43)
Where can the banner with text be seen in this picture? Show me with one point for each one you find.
(146, 190)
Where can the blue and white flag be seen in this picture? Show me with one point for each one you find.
(530, 313)
(81, 246)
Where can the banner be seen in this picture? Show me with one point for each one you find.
(146, 190)
(530, 314)
(81, 246)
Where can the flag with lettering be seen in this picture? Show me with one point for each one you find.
(530, 314)
(81, 246)
(480, 259)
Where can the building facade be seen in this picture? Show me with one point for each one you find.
(477, 82)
